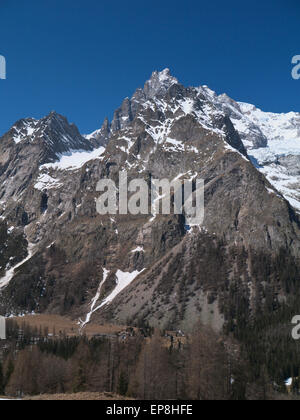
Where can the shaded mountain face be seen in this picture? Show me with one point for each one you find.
(154, 268)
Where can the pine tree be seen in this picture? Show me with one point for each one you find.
(123, 384)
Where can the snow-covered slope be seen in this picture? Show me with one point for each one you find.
(74, 159)
(280, 159)
(272, 141)
(275, 127)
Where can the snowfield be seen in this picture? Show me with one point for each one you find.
(4, 281)
(75, 159)
(282, 132)
(123, 281)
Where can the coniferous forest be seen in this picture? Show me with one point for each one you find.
(147, 364)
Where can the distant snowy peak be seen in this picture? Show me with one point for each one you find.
(256, 127)
(52, 135)
(274, 126)
(272, 141)
(250, 133)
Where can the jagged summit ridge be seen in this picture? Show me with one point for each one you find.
(271, 140)
(29, 145)
(163, 93)
(53, 133)
(159, 83)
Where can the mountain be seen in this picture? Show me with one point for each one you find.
(58, 255)
(272, 141)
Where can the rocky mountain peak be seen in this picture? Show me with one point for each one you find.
(100, 137)
(56, 120)
(31, 143)
(52, 133)
(159, 83)
(59, 136)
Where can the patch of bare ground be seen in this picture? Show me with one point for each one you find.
(82, 396)
(58, 324)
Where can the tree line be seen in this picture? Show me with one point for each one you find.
(205, 367)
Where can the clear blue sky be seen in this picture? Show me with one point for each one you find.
(82, 57)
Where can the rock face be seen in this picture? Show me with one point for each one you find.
(30, 144)
(154, 268)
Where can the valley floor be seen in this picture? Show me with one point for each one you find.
(58, 324)
(82, 396)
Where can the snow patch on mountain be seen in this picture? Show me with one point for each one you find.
(174, 144)
(123, 281)
(4, 281)
(74, 160)
(45, 181)
(94, 300)
(137, 249)
(288, 185)
(276, 149)
(23, 130)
